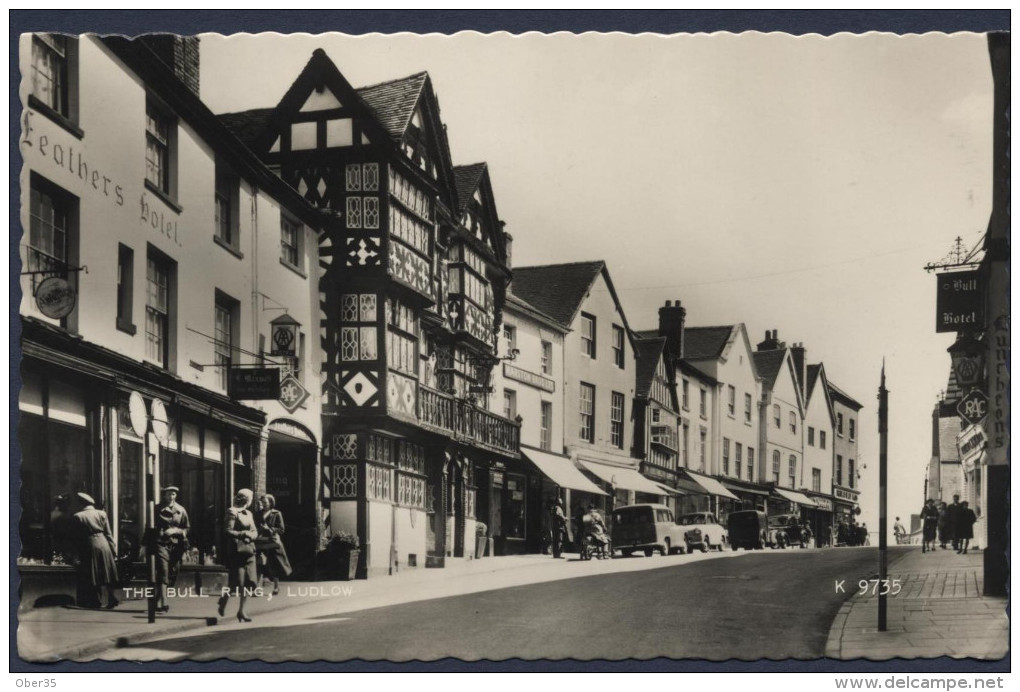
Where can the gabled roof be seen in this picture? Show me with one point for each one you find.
(703, 343)
(769, 364)
(559, 289)
(649, 353)
(556, 289)
(466, 179)
(519, 305)
(698, 373)
(248, 126)
(838, 393)
(394, 101)
(813, 371)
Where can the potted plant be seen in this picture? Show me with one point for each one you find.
(342, 552)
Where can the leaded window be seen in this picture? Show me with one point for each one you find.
(402, 338)
(359, 332)
(353, 212)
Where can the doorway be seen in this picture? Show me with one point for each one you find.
(290, 479)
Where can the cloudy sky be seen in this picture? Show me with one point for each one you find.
(790, 183)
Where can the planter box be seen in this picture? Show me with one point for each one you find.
(481, 544)
(342, 566)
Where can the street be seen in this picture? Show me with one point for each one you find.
(769, 604)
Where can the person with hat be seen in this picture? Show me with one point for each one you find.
(241, 531)
(97, 567)
(269, 522)
(172, 526)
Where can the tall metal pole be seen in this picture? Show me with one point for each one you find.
(883, 473)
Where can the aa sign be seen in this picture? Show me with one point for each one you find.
(284, 335)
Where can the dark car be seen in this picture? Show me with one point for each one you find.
(748, 529)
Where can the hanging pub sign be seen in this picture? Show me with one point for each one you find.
(959, 304)
(971, 443)
(254, 383)
(284, 335)
(55, 298)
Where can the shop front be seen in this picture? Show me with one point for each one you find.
(76, 435)
(559, 480)
(623, 485)
(752, 496)
(510, 502)
(706, 494)
(819, 518)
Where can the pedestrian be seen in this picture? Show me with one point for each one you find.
(240, 553)
(943, 524)
(965, 526)
(842, 534)
(898, 531)
(97, 565)
(953, 512)
(560, 528)
(271, 528)
(171, 542)
(929, 526)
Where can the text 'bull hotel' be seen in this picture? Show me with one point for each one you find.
(325, 305)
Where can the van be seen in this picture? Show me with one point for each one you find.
(748, 529)
(647, 528)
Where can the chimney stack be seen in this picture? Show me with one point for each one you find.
(799, 355)
(180, 54)
(509, 243)
(771, 342)
(671, 326)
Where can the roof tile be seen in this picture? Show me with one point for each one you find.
(556, 289)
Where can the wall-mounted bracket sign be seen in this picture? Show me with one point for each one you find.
(973, 407)
(254, 383)
(284, 335)
(55, 298)
(959, 304)
(292, 393)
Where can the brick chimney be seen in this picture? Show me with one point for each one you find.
(771, 342)
(671, 326)
(799, 355)
(509, 240)
(180, 54)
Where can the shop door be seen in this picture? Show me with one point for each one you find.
(290, 478)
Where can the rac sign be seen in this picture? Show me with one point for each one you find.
(973, 407)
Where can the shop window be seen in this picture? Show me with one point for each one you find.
(587, 431)
(588, 335)
(618, 347)
(616, 420)
(130, 482)
(159, 307)
(55, 464)
(160, 149)
(125, 288)
(291, 251)
(545, 437)
(225, 212)
(515, 512)
(54, 76)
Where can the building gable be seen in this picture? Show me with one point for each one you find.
(476, 208)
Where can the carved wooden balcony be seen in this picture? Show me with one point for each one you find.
(467, 423)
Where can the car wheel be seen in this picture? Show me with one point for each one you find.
(733, 546)
(704, 545)
(666, 550)
(626, 553)
(648, 552)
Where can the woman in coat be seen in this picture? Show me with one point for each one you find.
(240, 553)
(965, 520)
(269, 521)
(930, 519)
(97, 567)
(943, 524)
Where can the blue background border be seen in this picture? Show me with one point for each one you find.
(447, 22)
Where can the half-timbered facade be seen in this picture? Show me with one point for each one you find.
(656, 414)
(412, 281)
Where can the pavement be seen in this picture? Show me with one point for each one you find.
(939, 611)
(50, 634)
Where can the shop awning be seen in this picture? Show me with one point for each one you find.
(561, 471)
(628, 479)
(711, 486)
(669, 490)
(794, 496)
(741, 489)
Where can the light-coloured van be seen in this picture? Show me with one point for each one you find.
(647, 528)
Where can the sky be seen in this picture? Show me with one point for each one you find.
(790, 183)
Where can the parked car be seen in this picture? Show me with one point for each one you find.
(787, 530)
(646, 527)
(748, 529)
(702, 530)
